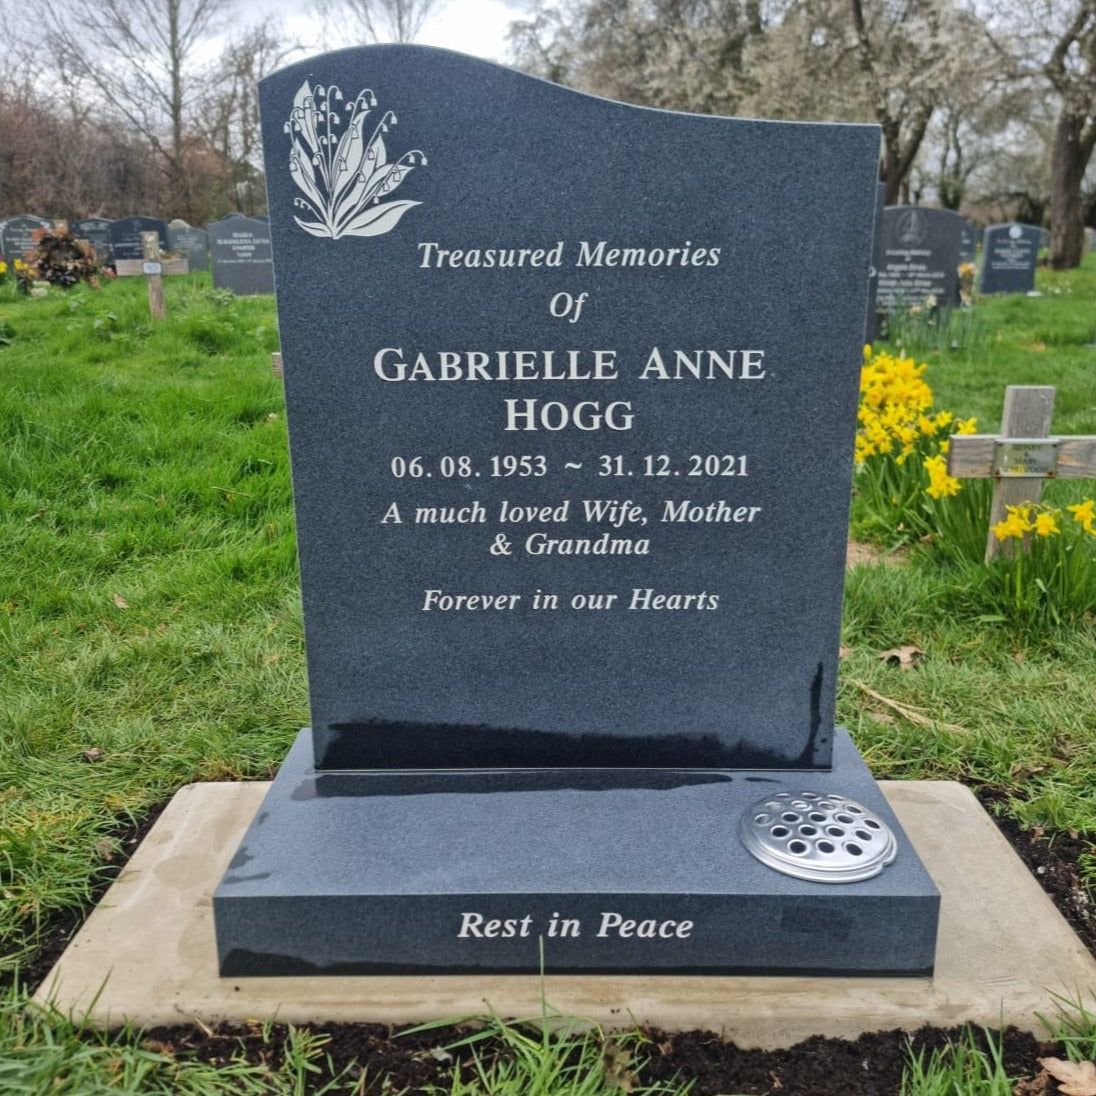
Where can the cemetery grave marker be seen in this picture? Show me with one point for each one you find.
(153, 269)
(1023, 456)
(96, 230)
(968, 242)
(17, 235)
(920, 260)
(1010, 254)
(240, 255)
(192, 242)
(553, 450)
(125, 239)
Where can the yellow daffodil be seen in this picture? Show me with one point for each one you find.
(1084, 513)
(1045, 525)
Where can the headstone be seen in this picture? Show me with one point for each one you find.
(1010, 254)
(240, 254)
(96, 230)
(873, 325)
(1090, 238)
(1044, 239)
(17, 235)
(920, 261)
(555, 450)
(125, 236)
(968, 242)
(191, 242)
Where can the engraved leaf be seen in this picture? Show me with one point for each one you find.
(303, 115)
(300, 170)
(379, 219)
(314, 229)
(1074, 1078)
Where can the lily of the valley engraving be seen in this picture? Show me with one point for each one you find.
(345, 173)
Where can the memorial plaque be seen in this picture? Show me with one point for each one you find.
(191, 242)
(571, 427)
(1010, 254)
(240, 253)
(17, 235)
(96, 230)
(125, 236)
(920, 262)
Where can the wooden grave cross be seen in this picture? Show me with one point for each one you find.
(153, 269)
(1023, 456)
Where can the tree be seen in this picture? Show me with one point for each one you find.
(1071, 70)
(138, 59)
(379, 20)
(676, 54)
(229, 117)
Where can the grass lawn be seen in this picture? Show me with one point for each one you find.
(150, 624)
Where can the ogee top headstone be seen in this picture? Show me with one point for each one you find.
(191, 242)
(96, 230)
(920, 261)
(17, 235)
(571, 389)
(1010, 254)
(125, 236)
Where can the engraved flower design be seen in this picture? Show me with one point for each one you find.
(345, 173)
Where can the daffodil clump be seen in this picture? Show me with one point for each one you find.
(901, 448)
(1046, 567)
(12, 273)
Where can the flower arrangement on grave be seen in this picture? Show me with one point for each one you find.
(60, 259)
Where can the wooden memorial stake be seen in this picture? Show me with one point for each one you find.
(1023, 457)
(154, 271)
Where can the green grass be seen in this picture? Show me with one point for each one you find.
(149, 611)
(969, 1067)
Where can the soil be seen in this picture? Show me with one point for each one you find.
(871, 1065)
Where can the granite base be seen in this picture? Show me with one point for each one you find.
(639, 871)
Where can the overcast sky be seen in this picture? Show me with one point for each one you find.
(472, 26)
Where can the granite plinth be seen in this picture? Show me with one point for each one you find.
(459, 872)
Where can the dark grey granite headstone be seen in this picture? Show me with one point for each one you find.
(968, 242)
(1010, 254)
(572, 391)
(17, 235)
(96, 230)
(191, 242)
(125, 236)
(873, 323)
(240, 255)
(920, 257)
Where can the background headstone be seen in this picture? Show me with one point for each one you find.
(874, 322)
(17, 235)
(125, 236)
(920, 257)
(1010, 254)
(1044, 239)
(968, 242)
(240, 255)
(96, 230)
(191, 242)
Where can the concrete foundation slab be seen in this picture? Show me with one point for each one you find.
(147, 953)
